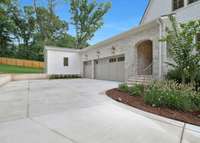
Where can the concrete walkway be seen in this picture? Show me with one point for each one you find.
(77, 111)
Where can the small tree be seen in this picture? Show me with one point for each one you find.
(87, 19)
(183, 48)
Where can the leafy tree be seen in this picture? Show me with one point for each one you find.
(49, 25)
(25, 30)
(87, 18)
(25, 23)
(183, 48)
(64, 40)
(52, 5)
(6, 28)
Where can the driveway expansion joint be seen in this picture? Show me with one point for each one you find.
(54, 131)
(182, 133)
(28, 100)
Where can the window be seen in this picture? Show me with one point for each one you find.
(121, 59)
(178, 4)
(191, 1)
(112, 60)
(66, 61)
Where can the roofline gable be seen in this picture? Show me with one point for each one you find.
(146, 11)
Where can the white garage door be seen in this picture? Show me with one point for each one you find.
(88, 69)
(112, 68)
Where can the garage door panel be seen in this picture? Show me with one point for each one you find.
(120, 71)
(110, 69)
(88, 69)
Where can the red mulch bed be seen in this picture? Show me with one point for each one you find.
(138, 102)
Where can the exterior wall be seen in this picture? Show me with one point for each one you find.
(190, 12)
(126, 43)
(158, 8)
(55, 63)
(131, 53)
(184, 14)
(127, 46)
(105, 51)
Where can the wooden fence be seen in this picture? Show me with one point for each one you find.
(22, 63)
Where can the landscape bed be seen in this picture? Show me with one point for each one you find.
(139, 103)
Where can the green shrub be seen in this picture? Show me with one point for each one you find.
(172, 95)
(62, 76)
(136, 90)
(176, 76)
(123, 87)
(197, 82)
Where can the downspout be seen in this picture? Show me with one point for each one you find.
(160, 22)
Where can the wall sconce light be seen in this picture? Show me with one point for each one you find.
(113, 50)
(98, 53)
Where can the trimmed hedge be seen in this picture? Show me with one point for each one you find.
(60, 76)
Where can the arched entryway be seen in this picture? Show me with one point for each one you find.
(144, 57)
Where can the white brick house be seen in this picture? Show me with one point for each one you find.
(132, 54)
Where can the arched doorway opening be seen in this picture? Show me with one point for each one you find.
(145, 57)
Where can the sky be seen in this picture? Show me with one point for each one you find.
(124, 15)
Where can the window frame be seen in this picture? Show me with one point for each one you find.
(177, 4)
(112, 60)
(121, 59)
(66, 61)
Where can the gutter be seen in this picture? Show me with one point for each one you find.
(161, 25)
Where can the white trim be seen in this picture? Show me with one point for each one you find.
(52, 48)
(185, 6)
(160, 47)
(146, 12)
(185, 3)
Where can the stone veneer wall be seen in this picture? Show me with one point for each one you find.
(128, 47)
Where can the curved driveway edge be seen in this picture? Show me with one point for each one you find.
(77, 111)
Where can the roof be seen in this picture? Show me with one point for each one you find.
(53, 48)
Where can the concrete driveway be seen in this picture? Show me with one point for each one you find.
(77, 111)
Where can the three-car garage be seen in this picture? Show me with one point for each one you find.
(110, 68)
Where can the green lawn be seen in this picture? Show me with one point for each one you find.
(17, 69)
